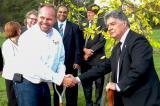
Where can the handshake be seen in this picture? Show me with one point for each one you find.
(70, 81)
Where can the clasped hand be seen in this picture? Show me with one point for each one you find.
(69, 80)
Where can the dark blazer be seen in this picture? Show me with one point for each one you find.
(23, 29)
(96, 44)
(138, 80)
(73, 44)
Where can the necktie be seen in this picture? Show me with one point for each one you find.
(118, 50)
(90, 24)
(118, 53)
(61, 29)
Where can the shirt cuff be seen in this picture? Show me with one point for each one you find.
(92, 50)
(79, 81)
(117, 88)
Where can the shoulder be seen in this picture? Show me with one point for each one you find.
(74, 25)
(134, 36)
(136, 40)
(5, 43)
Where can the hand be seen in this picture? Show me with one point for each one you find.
(85, 57)
(88, 52)
(76, 66)
(111, 86)
(69, 80)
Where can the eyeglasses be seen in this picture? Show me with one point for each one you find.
(32, 18)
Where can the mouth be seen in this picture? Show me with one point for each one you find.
(111, 32)
(44, 26)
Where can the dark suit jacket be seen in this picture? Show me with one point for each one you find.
(73, 44)
(138, 80)
(96, 44)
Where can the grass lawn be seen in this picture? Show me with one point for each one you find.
(81, 99)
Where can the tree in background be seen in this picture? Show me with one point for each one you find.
(16, 9)
(142, 15)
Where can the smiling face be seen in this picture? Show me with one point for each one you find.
(116, 27)
(90, 15)
(46, 18)
(31, 20)
(62, 13)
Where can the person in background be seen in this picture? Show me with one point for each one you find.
(73, 45)
(1, 61)
(93, 52)
(30, 19)
(12, 32)
(134, 78)
(40, 60)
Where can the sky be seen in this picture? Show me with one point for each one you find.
(102, 3)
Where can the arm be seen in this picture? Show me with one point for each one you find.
(79, 42)
(99, 70)
(60, 71)
(100, 44)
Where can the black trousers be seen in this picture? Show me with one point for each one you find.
(87, 88)
(10, 93)
(71, 94)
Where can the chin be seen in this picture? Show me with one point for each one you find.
(44, 30)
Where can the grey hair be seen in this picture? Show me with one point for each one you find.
(118, 15)
(34, 12)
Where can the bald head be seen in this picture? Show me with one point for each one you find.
(46, 17)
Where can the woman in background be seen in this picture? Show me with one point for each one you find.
(12, 32)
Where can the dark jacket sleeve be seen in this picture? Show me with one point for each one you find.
(97, 71)
(79, 43)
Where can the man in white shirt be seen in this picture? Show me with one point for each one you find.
(73, 45)
(40, 59)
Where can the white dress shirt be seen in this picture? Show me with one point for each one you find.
(122, 40)
(41, 56)
(64, 25)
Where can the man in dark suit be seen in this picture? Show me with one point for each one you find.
(93, 51)
(134, 79)
(30, 20)
(73, 44)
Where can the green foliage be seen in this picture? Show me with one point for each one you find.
(1, 38)
(140, 16)
(15, 10)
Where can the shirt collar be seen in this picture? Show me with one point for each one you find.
(48, 34)
(123, 38)
(64, 22)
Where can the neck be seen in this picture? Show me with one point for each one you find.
(14, 39)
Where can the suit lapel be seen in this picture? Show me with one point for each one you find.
(66, 30)
(114, 66)
(56, 26)
(124, 49)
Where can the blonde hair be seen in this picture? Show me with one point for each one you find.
(11, 29)
(34, 12)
